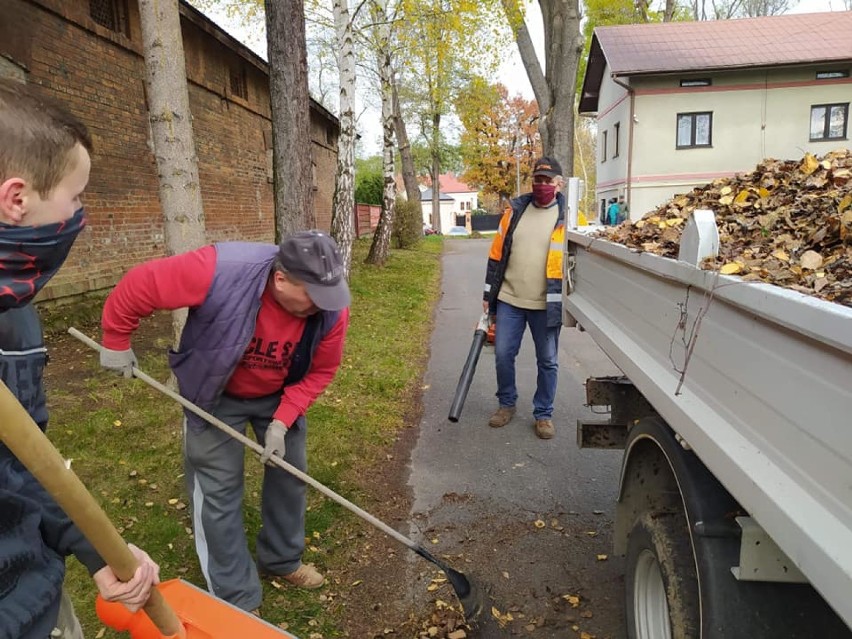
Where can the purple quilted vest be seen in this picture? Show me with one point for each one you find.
(218, 332)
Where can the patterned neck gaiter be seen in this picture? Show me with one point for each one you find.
(31, 255)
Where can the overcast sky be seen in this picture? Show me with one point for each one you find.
(511, 73)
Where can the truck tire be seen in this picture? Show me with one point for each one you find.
(662, 586)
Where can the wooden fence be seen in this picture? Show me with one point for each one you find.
(366, 219)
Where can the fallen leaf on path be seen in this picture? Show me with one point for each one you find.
(502, 619)
(538, 523)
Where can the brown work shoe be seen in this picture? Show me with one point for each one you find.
(305, 576)
(502, 417)
(544, 428)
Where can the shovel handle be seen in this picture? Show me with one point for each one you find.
(34, 450)
(248, 443)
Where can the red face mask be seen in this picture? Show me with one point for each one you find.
(543, 194)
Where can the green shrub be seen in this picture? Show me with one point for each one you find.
(369, 188)
(408, 223)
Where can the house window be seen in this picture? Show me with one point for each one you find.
(615, 133)
(603, 146)
(694, 130)
(111, 14)
(830, 75)
(829, 121)
(696, 82)
(239, 82)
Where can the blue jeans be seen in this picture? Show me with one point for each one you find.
(511, 323)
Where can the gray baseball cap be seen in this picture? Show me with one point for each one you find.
(312, 257)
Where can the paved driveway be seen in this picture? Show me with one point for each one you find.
(529, 519)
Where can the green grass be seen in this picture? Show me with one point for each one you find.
(125, 438)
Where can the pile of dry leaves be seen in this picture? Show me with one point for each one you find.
(787, 223)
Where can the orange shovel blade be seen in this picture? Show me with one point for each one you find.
(203, 616)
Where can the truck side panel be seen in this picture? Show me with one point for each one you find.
(765, 405)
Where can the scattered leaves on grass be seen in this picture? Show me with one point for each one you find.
(787, 223)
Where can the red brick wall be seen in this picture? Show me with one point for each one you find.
(100, 75)
(325, 169)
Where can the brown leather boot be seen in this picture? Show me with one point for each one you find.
(544, 428)
(502, 417)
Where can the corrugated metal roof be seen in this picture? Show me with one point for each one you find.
(723, 44)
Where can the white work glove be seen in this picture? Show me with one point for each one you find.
(275, 434)
(118, 361)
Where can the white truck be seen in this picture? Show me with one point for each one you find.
(735, 418)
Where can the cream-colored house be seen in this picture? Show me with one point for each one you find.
(680, 104)
(447, 207)
(456, 198)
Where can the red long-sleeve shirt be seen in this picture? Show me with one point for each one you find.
(184, 280)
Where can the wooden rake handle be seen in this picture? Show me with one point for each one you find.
(32, 447)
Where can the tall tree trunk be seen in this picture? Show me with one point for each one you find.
(437, 222)
(171, 127)
(291, 119)
(381, 239)
(343, 206)
(409, 174)
(554, 89)
(564, 46)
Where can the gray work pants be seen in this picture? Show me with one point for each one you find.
(214, 478)
(67, 625)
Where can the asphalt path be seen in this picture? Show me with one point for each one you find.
(529, 520)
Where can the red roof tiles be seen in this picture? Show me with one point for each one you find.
(724, 44)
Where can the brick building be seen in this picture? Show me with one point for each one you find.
(88, 53)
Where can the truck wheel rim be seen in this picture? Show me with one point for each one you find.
(651, 610)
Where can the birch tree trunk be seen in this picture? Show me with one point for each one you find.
(171, 129)
(343, 207)
(291, 119)
(409, 174)
(380, 248)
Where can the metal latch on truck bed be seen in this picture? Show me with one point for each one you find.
(626, 405)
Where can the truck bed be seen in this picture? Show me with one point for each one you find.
(766, 396)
